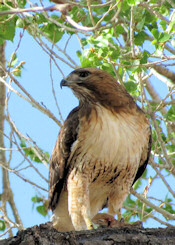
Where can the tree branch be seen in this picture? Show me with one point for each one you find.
(31, 99)
(159, 210)
(165, 72)
(7, 195)
(45, 234)
(63, 8)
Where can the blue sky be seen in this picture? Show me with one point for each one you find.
(44, 131)
(36, 80)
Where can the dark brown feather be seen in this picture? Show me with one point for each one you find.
(100, 87)
(58, 164)
(142, 167)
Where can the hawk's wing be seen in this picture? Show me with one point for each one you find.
(58, 164)
(144, 158)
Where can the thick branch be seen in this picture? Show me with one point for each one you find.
(45, 234)
(165, 72)
(7, 195)
(63, 8)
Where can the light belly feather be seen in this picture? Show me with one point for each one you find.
(113, 141)
(110, 150)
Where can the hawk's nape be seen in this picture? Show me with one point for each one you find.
(103, 147)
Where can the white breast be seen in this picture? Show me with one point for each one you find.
(114, 138)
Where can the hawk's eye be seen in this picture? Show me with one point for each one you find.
(84, 73)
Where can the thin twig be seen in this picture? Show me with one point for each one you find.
(22, 177)
(132, 32)
(151, 205)
(31, 100)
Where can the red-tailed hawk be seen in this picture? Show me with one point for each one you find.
(103, 147)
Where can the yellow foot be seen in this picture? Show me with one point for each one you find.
(89, 224)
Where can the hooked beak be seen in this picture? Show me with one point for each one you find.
(63, 83)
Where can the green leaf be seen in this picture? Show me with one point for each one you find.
(101, 42)
(169, 208)
(52, 31)
(7, 29)
(103, 52)
(119, 30)
(139, 204)
(90, 58)
(130, 86)
(171, 149)
(171, 26)
(150, 19)
(84, 41)
(133, 2)
(41, 19)
(34, 158)
(21, 3)
(171, 113)
(163, 23)
(17, 72)
(2, 225)
(148, 210)
(160, 36)
(145, 57)
(23, 143)
(78, 53)
(107, 67)
(42, 210)
(140, 25)
(163, 10)
(167, 199)
(171, 136)
(140, 38)
(137, 184)
(155, 33)
(115, 53)
(164, 37)
(127, 215)
(81, 15)
(30, 152)
(13, 60)
(47, 154)
(85, 62)
(144, 174)
(36, 199)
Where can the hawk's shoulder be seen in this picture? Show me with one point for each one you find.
(58, 164)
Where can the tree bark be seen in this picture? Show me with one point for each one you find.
(7, 194)
(45, 234)
(3, 161)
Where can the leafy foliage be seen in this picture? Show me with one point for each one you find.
(2, 225)
(29, 152)
(42, 209)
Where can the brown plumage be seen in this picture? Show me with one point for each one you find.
(102, 149)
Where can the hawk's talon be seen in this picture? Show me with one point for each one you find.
(89, 224)
(122, 220)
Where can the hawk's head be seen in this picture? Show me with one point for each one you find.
(92, 85)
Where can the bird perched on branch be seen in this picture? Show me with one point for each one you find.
(103, 147)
